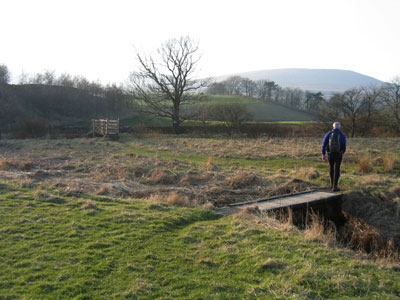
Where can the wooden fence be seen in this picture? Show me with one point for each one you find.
(109, 128)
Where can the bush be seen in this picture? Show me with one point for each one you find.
(33, 128)
(231, 114)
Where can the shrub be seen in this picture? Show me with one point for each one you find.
(231, 114)
(33, 128)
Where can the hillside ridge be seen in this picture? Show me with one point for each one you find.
(324, 80)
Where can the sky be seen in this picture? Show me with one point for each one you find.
(98, 39)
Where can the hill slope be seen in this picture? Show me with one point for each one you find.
(265, 111)
(324, 80)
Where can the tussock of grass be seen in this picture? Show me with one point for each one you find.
(7, 164)
(89, 204)
(161, 176)
(364, 165)
(306, 173)
(388, 162)
(103, 190)
(317, 228)
(292, 186)
(171, 198)
(243, 179)
(211, 166)
(250, 210)
(272, 264)
(178, 200)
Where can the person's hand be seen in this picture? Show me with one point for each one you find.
(323, 157)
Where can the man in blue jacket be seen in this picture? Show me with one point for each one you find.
(335, 145)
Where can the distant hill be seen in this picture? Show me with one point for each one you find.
(325, 80)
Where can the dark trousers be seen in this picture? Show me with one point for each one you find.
(335, 159)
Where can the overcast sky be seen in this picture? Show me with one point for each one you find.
(97, 39)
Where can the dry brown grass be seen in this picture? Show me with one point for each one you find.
(306, 173)
(388, 162)
(364, 165)
(7, 164)
(243, 179)
(178, 200)
(361, 236)
(372, 224)
(89, 204)
(292, 186)
(320, 229)
(103, 190)
(161, 176)
(172, 198)
(272, 264)
(210, 166)
(250, 210)
(374, 180)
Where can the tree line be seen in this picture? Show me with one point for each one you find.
(268, 91)
(365, 110)
(50, 99)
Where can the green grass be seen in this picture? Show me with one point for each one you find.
(51, 248)
(264, 111)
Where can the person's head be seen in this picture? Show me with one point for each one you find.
(336, 125)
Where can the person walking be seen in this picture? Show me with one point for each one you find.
(334, 144)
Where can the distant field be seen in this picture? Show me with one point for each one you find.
(263, 111)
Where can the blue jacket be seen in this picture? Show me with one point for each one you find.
(342, 142)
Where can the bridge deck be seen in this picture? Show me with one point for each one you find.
(285, 201)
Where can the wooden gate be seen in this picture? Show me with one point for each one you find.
(109, 128)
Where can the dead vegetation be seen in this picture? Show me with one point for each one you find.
(9, 164)
(388, 162)
(365, 165)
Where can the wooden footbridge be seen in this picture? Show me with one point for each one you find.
(323, 202)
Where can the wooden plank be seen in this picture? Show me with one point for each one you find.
(305, 199)
(292, 201)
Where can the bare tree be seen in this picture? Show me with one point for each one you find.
(346, 107)
(391, 96)
(233, 85)
(371, 105)
(5, 75)
(165, 83)
(265, 88)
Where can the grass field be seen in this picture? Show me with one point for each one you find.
(133, 219)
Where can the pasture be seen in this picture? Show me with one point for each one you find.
(133, 219)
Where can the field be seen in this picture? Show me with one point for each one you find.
(134, 219)
(264, 111)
